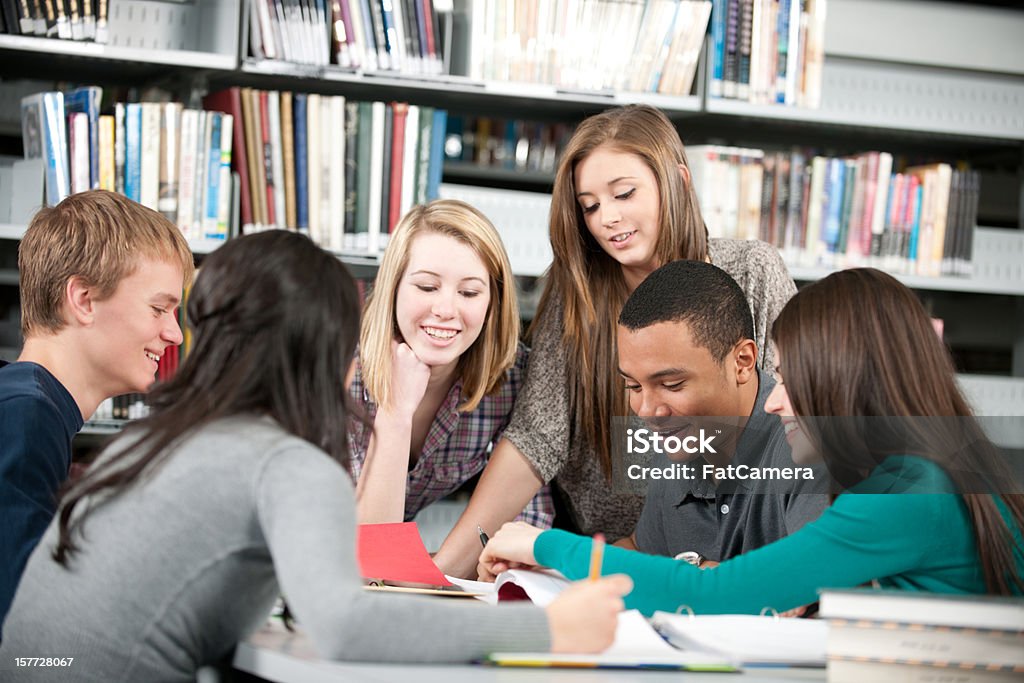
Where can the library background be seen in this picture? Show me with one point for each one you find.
(845, 132)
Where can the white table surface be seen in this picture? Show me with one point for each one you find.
(282, 657)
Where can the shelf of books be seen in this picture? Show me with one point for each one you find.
(202, 34)
(44, 47)
(453, 90)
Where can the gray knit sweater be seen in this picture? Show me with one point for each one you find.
(541, 426)
(181, 566)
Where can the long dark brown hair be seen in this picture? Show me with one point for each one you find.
(275, 321)
(588, 282)
(858, 344)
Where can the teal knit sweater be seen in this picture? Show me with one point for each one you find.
(904, 526)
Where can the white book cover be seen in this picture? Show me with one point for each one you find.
(79, 139)
(410, 161)
(149, 176)
(930, 609)
(266, 31)
(276, 155)
(279, 24)
(793, 52)
(813, 246)
(377, 110)
(356, 36)
(43, 120)
(202, 165)
(187, 173)
(395, 33)
(336, 192)
(169, 151)
(327, 173)
(881, 193)
(224, 187)
(314, 147)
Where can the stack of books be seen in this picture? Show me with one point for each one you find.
(171, 159)
(63, 19)
(839, 212)
(369, 35)
(921, 637)
(768, 51)
(510, 144)
(343, 172)
(609, 45)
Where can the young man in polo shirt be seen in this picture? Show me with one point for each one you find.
(686, 350)
(101, 279)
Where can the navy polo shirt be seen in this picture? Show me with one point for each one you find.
(38, 420)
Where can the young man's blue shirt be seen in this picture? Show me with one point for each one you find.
(38, 420)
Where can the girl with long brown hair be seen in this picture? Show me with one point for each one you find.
(623, 204)
(925, 502)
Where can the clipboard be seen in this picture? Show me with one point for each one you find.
(413, 588)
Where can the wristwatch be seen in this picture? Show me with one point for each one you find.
(694, 558)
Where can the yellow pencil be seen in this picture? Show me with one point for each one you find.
(596, 557)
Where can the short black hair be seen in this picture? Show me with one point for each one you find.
(699, 294)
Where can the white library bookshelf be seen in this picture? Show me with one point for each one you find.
(880, 85)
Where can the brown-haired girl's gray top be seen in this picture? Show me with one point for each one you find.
(190, 558)
(541, 422)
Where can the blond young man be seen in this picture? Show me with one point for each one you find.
(101, 279)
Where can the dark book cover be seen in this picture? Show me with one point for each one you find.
(301, 161)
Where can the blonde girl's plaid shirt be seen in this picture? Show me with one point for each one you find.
(457, 446)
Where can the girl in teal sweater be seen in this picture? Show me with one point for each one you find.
(924, 503)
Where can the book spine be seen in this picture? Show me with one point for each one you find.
(167, 202)
(211, 197)
(423, 154)
(409, 160)
(351, 160)
(149, 177)
(314, 170)
(106, 153)
(288, 160)
(719, 9)
(267, 157)
(379, 115)
(339, 36)
(299, 120)
(394, 205)
(78, 128)
(200, 150)
(133, 151)
(187, 172)
(380, 38)
(276, 158)
(745, 38)
(224, 185)
(336, 192)
(782, 50)
(385, 189)
(363, 157)
(436, 154)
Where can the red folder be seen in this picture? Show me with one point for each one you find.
(395, 553)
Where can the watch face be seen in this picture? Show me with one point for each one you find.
(691, 557)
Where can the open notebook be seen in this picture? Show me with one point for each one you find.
(700, 643)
